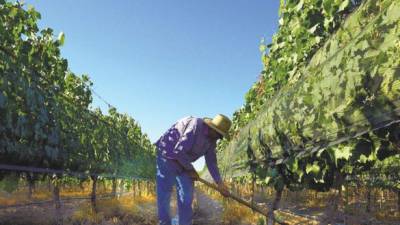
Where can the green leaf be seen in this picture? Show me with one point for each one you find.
(344, 152)
(344, 5)
(327, 6)
(268, 179)
(281, 7)
(13, 12)
(61, 38)
(300, 5)
(9, 183)
(292, 164)
(313, 29)
(318, 39)
(281, 21)
(313, 168)
(263, 47)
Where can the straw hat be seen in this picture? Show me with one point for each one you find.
(220, 123)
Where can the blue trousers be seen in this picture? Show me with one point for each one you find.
(170, 173)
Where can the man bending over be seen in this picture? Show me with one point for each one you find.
(185, 142)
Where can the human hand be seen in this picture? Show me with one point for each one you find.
(223, 189)
(193, 174)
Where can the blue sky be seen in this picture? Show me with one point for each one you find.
(159, 60)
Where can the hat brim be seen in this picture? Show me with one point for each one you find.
(208, 121)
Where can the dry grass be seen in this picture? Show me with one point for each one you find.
(123, 211)
(126, 210)
(142, 210)
(235, 213)
(392, 216)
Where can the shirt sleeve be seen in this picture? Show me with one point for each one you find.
(185, 143)
(211, 161)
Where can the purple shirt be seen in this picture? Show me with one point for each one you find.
(186, 141)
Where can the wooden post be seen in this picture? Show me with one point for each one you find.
(121, 188)
(57, 201)
(56, 196)
(114, 187)
(104, 184)
(271, 216)
(49, 184)
(398, 200)
(31, 185)
(148, 188)
(133, 188)
(93, 194)
(139, 191)
(368, 199)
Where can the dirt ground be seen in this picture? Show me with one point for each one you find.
(110, 212)
(208, 210)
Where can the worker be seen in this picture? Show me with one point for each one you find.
(185, 142)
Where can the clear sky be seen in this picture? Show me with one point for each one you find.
(160, 60)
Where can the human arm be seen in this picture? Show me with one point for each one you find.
(212, 165)
(211, 162)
